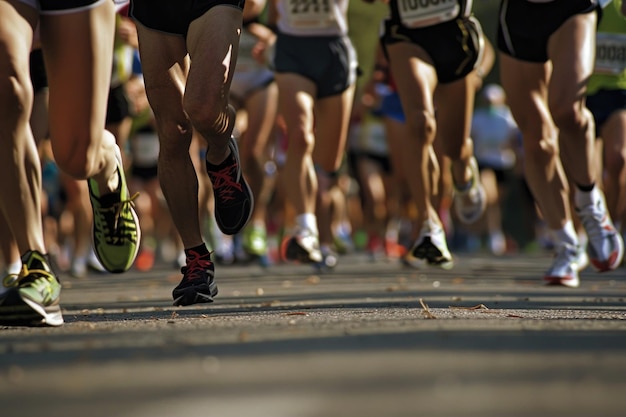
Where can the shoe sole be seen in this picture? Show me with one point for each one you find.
(26, 312)
(570, 282)
(432, 255)
(192, 295)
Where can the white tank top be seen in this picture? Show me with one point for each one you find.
(312, 17)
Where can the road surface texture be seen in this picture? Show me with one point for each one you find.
(368, 339)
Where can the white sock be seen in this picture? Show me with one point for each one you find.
(566, 235)
(15, 267)
(587, 198)
(307, 221)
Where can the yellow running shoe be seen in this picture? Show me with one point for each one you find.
(116, 232)
(32, 296)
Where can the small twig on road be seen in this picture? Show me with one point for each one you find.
(427, 312)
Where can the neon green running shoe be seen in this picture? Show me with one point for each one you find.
(31, 298)
(255, 240)
(116, 232)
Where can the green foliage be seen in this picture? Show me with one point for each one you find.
(364, 30)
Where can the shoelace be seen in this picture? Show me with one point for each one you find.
(224, 183)
(593, 222)
(565, 255)
(10, 280)
(13, 280)
(119, 208)
(196, 267)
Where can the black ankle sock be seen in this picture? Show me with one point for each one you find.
(586, 188)
(200, 249)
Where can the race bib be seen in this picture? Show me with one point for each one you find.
(610, 53)
(311, 14)
(423, 13)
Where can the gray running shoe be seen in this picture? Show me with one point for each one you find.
(470, 204)
(568, 261)
(605, 245)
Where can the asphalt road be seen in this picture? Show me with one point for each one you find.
(367, 339)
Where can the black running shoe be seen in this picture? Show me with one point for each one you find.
(303, 246)
(198, 285)
(31, 298)
(430, 247)
(233, 197)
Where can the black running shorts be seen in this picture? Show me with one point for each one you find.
(524, 27)
(118, 106)
(61, 6)
(174, 16)
(603, 104)
(328, 61)
(454, 46)
(38, 74)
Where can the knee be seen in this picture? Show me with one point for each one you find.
(75, 160)
(16, 97)
(174, 135)
(540, 151)
(422, 125)
(570, 118)
(301, 142)
(208, 117)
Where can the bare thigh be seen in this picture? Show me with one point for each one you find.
(572, 65)
(165, 65)
(296, 103)
(78, 52)
(17, 24)
(416, 79)
(332, 120)
(213, 45)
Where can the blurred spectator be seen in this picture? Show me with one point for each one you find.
(494, 132)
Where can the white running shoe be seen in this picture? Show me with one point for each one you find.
(569, 260)
(605, 245)
(471, 203)
(431, 247)
(303, 246)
